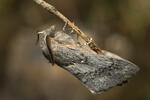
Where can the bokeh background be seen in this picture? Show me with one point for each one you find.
(119, 26)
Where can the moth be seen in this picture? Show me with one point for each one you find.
(97, 72)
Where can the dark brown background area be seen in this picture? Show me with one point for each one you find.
(120, 26)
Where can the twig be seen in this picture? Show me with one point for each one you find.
(53, 10)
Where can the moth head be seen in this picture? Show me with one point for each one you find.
(48, 31)
(51, 30)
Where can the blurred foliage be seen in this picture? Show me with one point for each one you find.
(120, 26)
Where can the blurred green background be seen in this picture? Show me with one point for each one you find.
(119, 26)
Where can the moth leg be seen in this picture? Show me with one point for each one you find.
(85, 44)
(91, 39)
(64, 27)
(71, 31)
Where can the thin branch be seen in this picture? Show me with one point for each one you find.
(53, 10)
